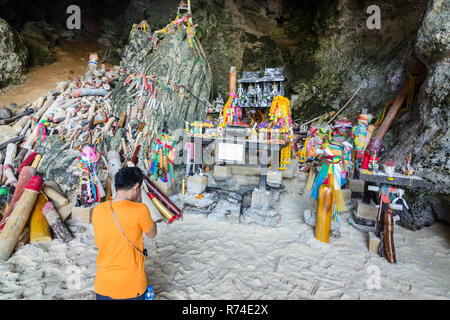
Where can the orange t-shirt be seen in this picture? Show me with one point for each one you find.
(120, 267)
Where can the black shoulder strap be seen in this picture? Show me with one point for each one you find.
(117, 222)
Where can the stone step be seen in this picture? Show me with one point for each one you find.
(347, 193)
(196, 184)
(291, 169)
(261, 199)
(165, 188)
(374, 243)
(274, 178)
(221, 172)
(245, 170)
(309, 217)
(365, 214)
(356, 186)
(82, 215)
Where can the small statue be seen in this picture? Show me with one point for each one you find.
(251, 90)
(92, 65)
(91, 188)
(258, 92)
(274, 92)
(240, 91)
(254, 132)
(264, 103)
(142, 26)
(408, 170)
(389, 167)
(165, 128)
(373, 162)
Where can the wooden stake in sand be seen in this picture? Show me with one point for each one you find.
(28, 161)
(13, 140)
(114, 166)
(19, 217)
(345, 106)
(388, 235)
(39, 228)
(55, 222)
(25, 176)
(375, 143)
(162, 197)
(55, 196)
(156, 215)
(19, 125)
(310, 181)
(36, 161)
(324, 211)
(11, 150)
(162, 208)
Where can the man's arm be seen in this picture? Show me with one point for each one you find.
(153, 231)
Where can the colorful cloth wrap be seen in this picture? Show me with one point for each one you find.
(343, 125)
(330, 173)
(92, 191)
(41, 131)
(313, 142)
(162, 147)
(232, 114)
(360, 134)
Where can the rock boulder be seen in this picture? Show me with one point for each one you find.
(13, 54)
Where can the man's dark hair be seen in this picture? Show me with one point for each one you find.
(127, 177)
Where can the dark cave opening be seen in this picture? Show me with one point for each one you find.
(325, 46)
(18, 12)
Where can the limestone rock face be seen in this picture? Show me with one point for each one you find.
(13, 54)
(5, 113)
(433, 38)
(58, 166)
(173, 62)
(427, 135)
(347, 54)
(425, 209)
(39, 37)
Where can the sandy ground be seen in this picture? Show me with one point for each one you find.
(71, 60)
(197, 258)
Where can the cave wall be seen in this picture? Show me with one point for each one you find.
(38, 25)
(426, 135)
(18, 12)
(173, 62)
(328, 51)
(326, 47)
(13, 54)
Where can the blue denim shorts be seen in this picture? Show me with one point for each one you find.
(101, 297)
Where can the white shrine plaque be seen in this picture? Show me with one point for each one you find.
(230, 152)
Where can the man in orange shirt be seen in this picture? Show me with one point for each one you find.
(120, 260)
